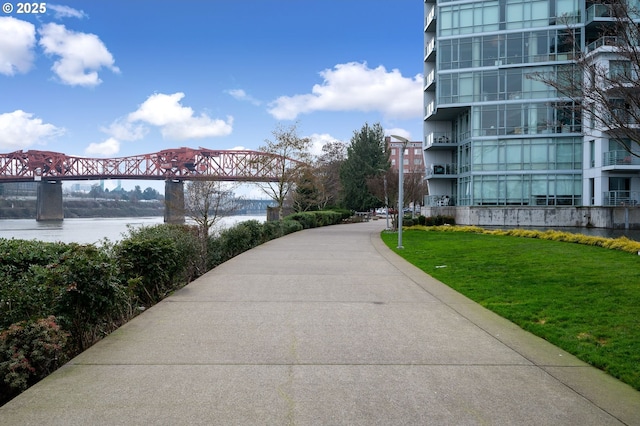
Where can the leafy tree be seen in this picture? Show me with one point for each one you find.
(306, 195)
(150, 194)
(290, 153)
(367, 154)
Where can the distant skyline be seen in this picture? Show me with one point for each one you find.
(113, 78)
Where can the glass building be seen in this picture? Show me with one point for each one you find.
(493, 134)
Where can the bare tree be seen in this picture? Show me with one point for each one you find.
(415, 187)
(327, 173)
(293, 152)
(602, 84)
(385, 186)
(206, 203)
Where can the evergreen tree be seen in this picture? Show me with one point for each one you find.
(367, 155)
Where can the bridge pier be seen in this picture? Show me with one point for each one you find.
(174, 201)
(49, 201)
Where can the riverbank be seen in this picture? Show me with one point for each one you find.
(83, 208)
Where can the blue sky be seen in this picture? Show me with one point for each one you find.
(113, 78)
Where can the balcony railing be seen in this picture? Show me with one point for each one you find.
(439, 201)
(439, 138)
(620, 158)
(430, 18)
(442, 170)
(430, 78)
(604, 41)
(430, 48)
(620, 198)
(599, 11)
(429, 109)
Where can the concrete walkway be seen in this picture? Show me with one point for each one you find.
(323, 327)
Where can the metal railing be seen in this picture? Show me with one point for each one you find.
(620, 198)
(599, 11)
(439, 138)
(603, 41)
(442, 169)
(620, 158)
(439, 201)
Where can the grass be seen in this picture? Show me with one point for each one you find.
(583, 299)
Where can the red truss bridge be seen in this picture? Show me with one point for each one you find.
(169, 164)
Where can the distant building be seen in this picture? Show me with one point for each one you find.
(18, 189)
(494, 136)
(84, 188)
(413, 156)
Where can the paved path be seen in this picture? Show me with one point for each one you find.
(323, 327)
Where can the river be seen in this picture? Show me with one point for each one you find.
(94, 230)
(89, 230)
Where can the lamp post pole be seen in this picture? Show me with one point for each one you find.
(404, 141)
(386, 196)
(386, 200)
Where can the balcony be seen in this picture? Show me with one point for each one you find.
(430, 51)
(607, 41)
(442, 170)
(430, 20)
(440, 140)
(429, 81)
(599, 11)
(439, 201)
(620, 198)
(620, 160)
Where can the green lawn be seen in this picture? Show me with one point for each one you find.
(581, 298)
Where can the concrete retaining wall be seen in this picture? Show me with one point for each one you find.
(598, 217)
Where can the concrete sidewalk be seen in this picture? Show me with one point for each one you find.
(323, 327)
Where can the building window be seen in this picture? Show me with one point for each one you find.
(619, 70)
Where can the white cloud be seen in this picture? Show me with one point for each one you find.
(107, 148)
(320, 140)
(398, 131)
(241, 95)
(177, 121)
(124, 130)
(356, 87)
(81, 55)
(65, 12)
(19, 129)
(17, 40)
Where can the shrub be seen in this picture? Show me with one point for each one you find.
(344, 213)
(187, 243)
(422, 220)
(290, 226)
(306, 219)
(235, 240)
(30, 350)
(150, 267)
(88, 292)
(318, 218)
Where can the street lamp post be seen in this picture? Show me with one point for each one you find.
(386, 200)
(386, 196)
(404, 141)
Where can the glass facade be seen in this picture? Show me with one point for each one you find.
(517, 141)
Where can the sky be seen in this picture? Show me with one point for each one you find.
(115, 78)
